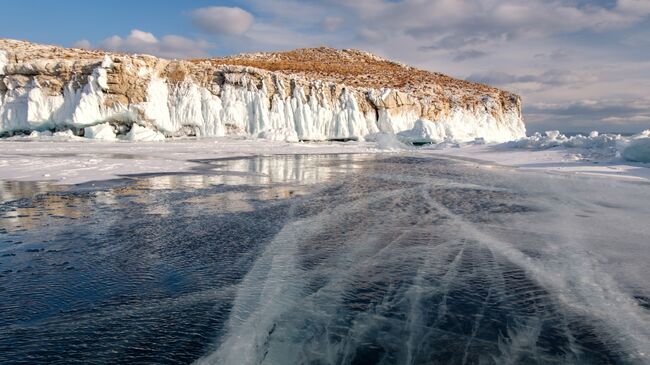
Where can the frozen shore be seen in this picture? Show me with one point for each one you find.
(75, 161)
(65, 159)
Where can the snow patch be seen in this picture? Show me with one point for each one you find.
(37, 134)
(278, 135)
(66, 134)
(46, 136)
(388, 141)
(107, 62)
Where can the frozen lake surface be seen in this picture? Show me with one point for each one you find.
(327, 259)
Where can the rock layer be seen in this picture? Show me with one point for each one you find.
(305, 94)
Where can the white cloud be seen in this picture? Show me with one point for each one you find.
(221, 19)
(169, 46)
(82, 43)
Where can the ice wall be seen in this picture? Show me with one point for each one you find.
(247, 110)
(234, 101)
(25, 105)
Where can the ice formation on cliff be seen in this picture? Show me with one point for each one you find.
(296, 117)
(3, 62)
(289, 107)
(29, 107)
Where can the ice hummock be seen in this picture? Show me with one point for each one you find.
(595, 145)
(637, 148)
(140, 133)
(549, 139)
(102, 131)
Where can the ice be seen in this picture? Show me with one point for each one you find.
(65, 162)
(424, 131)
(595, 146)
(463, 126)
(458, 125)
(499, 267)
(66, 135)
(247, 111)
(27, 107)
(394, 122)
(144, 134)
(637, 148)
(382, 259)
(156, 107)
(554, 138)
(388, 142)
(608, 162)
(107, 62)
(102, 131)
(3, 61)
(278, 135)
(37, 134)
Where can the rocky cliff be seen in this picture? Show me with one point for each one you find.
(305, 94)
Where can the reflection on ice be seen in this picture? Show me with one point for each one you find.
(259, 170)
(18, 213)
(14, 190)
(167, 182)
(280, 177)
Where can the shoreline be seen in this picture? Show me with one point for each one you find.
(73, 162)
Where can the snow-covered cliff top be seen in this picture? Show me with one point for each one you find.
(361, 69)
(348, 66)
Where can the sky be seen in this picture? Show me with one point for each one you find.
(578, 65)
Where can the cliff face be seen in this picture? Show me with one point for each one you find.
(306, 94)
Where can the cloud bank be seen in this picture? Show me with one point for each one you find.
(138, 41)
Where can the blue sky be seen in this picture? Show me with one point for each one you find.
(578, 64)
